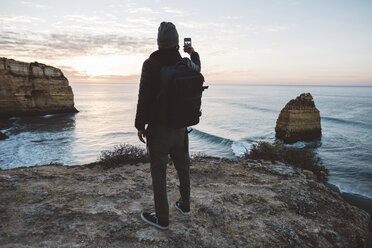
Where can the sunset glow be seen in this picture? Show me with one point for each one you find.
(256, 42)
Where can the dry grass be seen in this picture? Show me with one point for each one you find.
(123, 154)
(299, 157)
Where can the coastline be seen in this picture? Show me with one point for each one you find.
(235, 203)
(78, 142)
(357, 200)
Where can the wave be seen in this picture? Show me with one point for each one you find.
(343, 96)
(268, 136)
(247, 106)
(212, 138)
(48, 116)
(359, 199)
(51, 139)
(239, 148)
(118, 134)
(308, 144)
(347, 122)
(342, 188)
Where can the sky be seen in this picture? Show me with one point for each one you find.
(254, 42)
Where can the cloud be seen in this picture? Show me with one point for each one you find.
(141, 10)
(116, 78)
(173, 11)
(108, 24)
(201, 25)
(83, 18)
(81, 76)
(63, 45)
(10, 19)
(130, 3)
(276, 28)
(72, 73)
(231, 17)
(34, 5)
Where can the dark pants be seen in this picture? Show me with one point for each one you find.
(161, 142)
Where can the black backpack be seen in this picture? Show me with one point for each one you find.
(179, 98)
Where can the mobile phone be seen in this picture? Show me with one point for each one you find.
(186, 45)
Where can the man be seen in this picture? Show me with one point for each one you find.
(161, 139)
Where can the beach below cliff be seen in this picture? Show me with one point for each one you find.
(235, 203)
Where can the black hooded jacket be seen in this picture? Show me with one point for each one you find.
(147, 112)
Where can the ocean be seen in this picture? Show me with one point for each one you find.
(234, 117)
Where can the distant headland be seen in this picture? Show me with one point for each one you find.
(33, 89)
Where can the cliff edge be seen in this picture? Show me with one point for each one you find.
(240, 203)
(299, 120)
(33, 89)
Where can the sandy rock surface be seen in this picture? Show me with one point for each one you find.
(241, 203)
(299, 120)
(33, 88)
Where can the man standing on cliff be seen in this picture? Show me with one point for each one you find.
(161, 139)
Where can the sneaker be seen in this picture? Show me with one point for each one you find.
(183, 210)
(150, 218)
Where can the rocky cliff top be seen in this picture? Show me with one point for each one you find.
(305, 100)
(242, 203)
(34, 69)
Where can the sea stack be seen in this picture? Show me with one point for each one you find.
(299, 120)
(33, 89)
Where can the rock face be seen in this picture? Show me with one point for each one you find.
(33, 89)
(242, 203)
(299, 120)
(3, 136)
(4, 124)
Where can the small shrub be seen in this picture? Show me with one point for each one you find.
(55, 164)
(197, 157)
(123, 154)
(299, 157)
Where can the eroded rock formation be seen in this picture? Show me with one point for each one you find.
(33, 89)
(299, 120)
(241, 203)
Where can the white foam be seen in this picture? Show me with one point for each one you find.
(48, 116)
(355, 189)
(300, 144)
(239, 148)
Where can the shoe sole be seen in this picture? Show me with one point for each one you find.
(182, 212)
(153, 224)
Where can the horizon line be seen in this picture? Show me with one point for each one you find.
(247, 84)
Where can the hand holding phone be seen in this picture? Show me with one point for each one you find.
(187, 48)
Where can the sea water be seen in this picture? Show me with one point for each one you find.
(234, 117)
